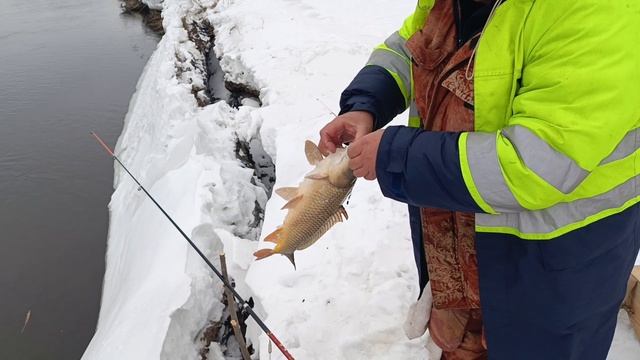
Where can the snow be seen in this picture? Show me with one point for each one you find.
(352, 290)
(153, 4)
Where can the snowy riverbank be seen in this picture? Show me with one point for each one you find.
(351, 291)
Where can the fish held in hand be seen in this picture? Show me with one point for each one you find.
(314, 206)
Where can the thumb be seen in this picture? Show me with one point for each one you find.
(360, 132)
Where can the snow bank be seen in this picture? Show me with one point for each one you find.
(351, 291)
(157, 294)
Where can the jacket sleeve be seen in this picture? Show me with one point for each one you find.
(375, 91)
(384, 87)
(421, 168)
(577, 101)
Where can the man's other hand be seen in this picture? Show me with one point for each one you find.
(343, 129)
(363, 154)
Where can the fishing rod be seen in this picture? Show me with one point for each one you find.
(244, 306)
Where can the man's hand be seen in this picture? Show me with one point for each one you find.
(363, 154)
(345, 128)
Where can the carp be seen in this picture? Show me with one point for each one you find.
(314, 206)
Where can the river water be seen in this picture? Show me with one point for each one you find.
(67, 67)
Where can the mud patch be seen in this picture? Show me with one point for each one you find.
(218, 336)
(220, 89)
(191, 66)
(151, 18)
(200, 68)
(252, 155)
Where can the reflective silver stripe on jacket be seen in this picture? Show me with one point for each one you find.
(542, 223)
(554, 167)
(487, 175)
(548, 220)
(629, 144)
(395, 59)
(413, 110)
(396, 43)
(391, 61)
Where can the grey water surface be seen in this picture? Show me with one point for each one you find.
(67, 67)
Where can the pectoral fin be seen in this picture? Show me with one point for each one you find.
(316, 176)
(287, 193)
(292, 203)
(312, 152)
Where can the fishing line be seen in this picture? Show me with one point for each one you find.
(326, 106)
(244, 305)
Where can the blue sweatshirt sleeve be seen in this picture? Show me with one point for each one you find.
(422, 168)
(375, 91)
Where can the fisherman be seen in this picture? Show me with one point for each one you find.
(520, 166)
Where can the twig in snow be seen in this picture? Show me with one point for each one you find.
(26, 321)
(231, 301)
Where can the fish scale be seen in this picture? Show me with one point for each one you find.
(322, 218)
(315, 206)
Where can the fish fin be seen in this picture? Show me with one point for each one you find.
(287, 193)
(274, 237)
(292, 259)
(312, 152)
(292, 203)
(334, 219)
(263, 253)
(316, 176)
(343, 211)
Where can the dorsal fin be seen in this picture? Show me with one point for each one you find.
(314, 156)
(334, 219)
(292, 203)
(343, 211)
(287, 193)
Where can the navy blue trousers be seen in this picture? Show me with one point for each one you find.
(558, 299)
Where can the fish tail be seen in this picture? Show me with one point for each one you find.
(292, 259)
(263, 253)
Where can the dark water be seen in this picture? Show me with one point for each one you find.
(66, 67)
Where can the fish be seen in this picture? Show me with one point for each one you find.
(314, 206)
